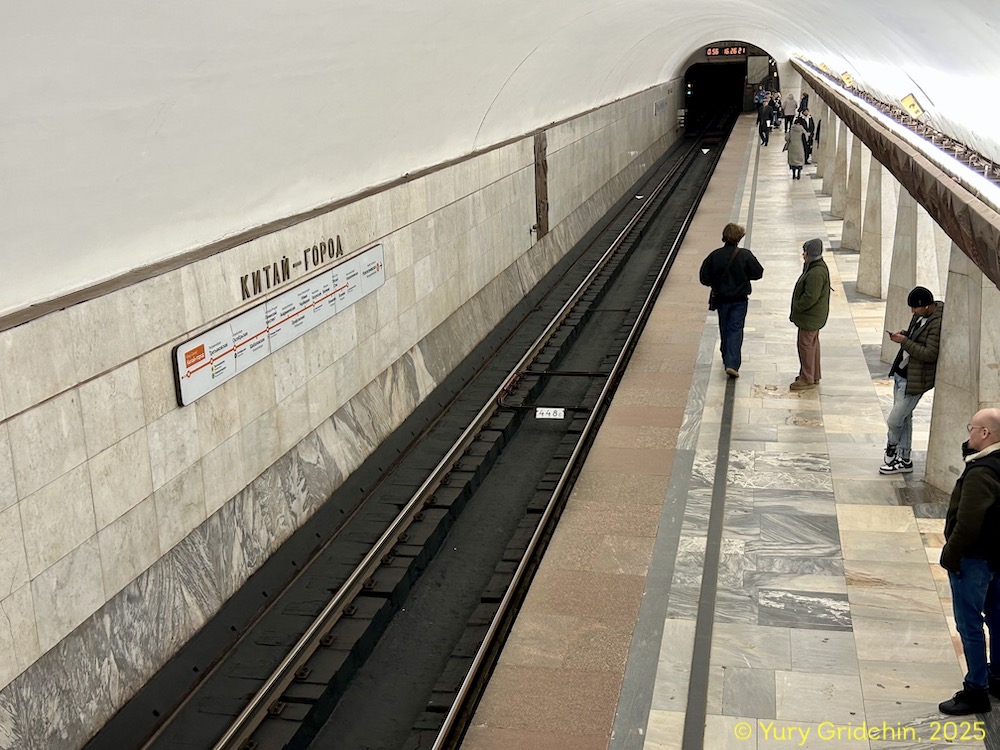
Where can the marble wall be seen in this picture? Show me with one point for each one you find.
(128, 521)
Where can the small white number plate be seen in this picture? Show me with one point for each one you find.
(549, 412)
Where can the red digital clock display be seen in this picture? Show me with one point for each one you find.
(725, 51)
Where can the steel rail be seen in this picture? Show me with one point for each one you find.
(458, 706)
(256, 709)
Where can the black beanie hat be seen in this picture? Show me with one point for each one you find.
(920, 296)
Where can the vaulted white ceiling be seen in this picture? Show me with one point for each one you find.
(131, 132)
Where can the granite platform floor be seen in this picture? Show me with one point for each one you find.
(830, 625)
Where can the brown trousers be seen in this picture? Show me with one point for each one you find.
(808, 345)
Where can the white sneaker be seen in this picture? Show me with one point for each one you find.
(896, 466)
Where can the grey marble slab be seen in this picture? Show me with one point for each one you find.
(803, 609)
(799, 530)
(812, 502)
(823, 651)
(748, 692)
(769, 562)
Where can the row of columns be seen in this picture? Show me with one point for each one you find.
(900, 246)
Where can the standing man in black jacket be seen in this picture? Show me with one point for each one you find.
(971, 555)
(729, 271)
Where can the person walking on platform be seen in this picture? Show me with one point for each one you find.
(971, 555)
(810, 127)
(764, 117)
(790, 107)
(810, 310)
(912, 375)
(795, 145)
(729, 271)
(804, 102)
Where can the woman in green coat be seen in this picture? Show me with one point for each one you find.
(810, 310)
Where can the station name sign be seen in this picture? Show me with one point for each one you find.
(205, 362)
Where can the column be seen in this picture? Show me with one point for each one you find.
(850, 238)
(821, 118)
(830, 153)
(876, 236)
(838, 191)
(902, 273)
(966, 379)
(942, 245)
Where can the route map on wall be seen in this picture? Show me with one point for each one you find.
(207, 361)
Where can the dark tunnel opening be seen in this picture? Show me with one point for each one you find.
(713, 88)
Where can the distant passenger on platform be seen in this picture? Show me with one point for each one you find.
(971, 555)
(795, 145)
(810, 310)
(758, 98)
(729, 271)
(790, 107)
(804, 102)
(912, 374)
(776, 107)
(810, 128)
(764, 116)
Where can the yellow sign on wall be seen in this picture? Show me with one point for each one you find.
(846, 78)
(911, 105)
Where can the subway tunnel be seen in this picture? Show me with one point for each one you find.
(167, 170)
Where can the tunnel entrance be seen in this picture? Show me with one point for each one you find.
(723, 77)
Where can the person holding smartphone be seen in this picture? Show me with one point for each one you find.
(912, 373)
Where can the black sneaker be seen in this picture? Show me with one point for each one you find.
(967, 701)
(896, 466)
(890, 453)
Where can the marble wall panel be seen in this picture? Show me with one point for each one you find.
(173, 444)
(255, 391)
(8, 487)
(120, 478)
(293, 419)
(103, 333)
(156, 379)
(18, 634)
(223, 473)
(180, 506)
(259, 443)
(289, 364)
(112, 407)
(13, 559)
(217, 415)
(36, 362)
(46, 441)
(67, 593)
(57, 518)
(128, 546)
(157, 309)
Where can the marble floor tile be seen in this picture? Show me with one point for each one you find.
(823, 651)
(877, 518)
(721, 733)
(903, 681)
(818, 697)
(919, 641)
(751, 646)
(664, 730)
(883, 545)
(803, 609)
(749, 692)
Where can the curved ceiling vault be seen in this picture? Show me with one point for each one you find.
(131, 133)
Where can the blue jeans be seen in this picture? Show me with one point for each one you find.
(900, 419)
(975, 599)
(732, 316)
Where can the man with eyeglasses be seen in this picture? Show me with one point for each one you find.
(971, 555)
(912, 374)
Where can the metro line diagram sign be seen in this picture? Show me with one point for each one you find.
(207, 361)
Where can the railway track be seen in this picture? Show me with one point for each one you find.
(325, 657)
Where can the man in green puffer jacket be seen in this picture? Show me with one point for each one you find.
(912, 375)
(810, 310)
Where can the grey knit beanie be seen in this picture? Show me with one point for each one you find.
(813, 248)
